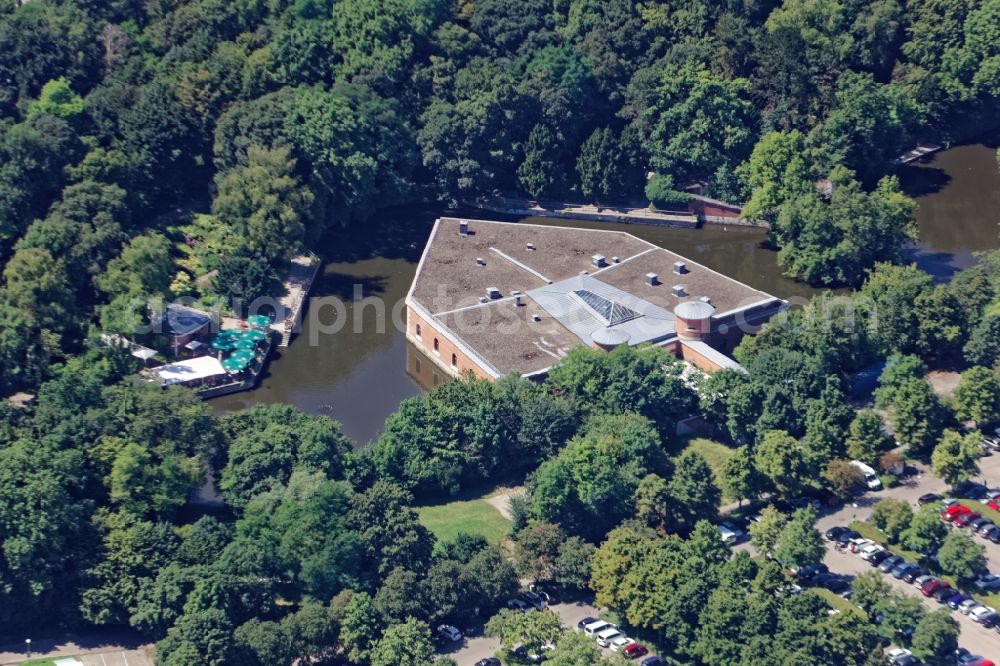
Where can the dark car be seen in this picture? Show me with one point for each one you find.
(585, 621)
(900, 569)
(879, 557)
(965, 519)
(846, 536)
(943, 594)
(928, 498)
(978, 523)
(834, 533)
(913, 573)
(991, 620)
(489, 661)
(969, 489)
(890, 563)
(984, 527)
(956, 599)
(811, 571)
(832, 582)
(653, 661)
(994, 535)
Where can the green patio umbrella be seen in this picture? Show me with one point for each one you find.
(242, 355)
(258, 321)
(245, 343)
(255, 335)
(233, 365)
(222, 343)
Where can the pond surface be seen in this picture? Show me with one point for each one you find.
(360, 374)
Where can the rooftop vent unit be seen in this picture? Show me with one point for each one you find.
(517, 302)
(615, 260)
(706, 299)
(680, 267)
(463, 228)
(598, 261)
(678, 290)
(480, 261)
(493, 293)
(483, 299)
(516, 292)
(535, 317)
(652, 279)
(530, 246)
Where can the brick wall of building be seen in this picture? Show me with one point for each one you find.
(446, 355)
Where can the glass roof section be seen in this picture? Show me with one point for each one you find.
(604, 308)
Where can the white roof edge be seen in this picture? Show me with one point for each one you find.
(454, 339)
(711, 353)
(423, 257)
(782, 303)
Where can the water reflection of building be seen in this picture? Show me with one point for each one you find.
(493, 298)
(422, 370)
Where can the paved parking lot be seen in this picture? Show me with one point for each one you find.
(476, 647)
(974, 637)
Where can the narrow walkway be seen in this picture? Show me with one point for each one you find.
(301, 274)
(580, 211)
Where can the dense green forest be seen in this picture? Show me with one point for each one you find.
(170, 149)
(319, 552)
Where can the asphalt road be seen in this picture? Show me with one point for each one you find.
(982, 641)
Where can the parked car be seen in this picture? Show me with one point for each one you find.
(890, 563)
(969, 489)
(993, 535)
(811, 571)
(965, 519)
(856, 545)
(978, 614)
(867, 552)
(928, 498)
(634, 650)
(968, 606)
(448, 634)
(518, 605)
(605, 637)
(943, 593)
(987, 583)
(913, 573)
(920, 581)
(532, 600)
(834, 533)
(596, 627)
(950, 513)
(653, 661)
(878, 558)
(846, 537)
(932, 586)
(832, 582)
(994, 504)
(955, 600)
(619, 643)
(903, 568)
(546, 594)
(896, 654)
(489, 661)
(729, 533)
(978, 523)
(984, 529)
(966, 657)
(584, 622)
(871, 480)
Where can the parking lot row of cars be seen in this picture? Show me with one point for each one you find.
(929, 586)
(609, 636)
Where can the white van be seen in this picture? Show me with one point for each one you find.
(594, 628)
(871, 478)
(605, 637)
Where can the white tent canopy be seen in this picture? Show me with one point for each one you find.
(193, 369)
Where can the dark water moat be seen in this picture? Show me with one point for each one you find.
(360, 374)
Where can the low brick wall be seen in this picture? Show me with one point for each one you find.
(438, 348)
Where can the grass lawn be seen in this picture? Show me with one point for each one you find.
(869, 531)
(835, 601)
(474, 516)
(715, 455)
(37, 662)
